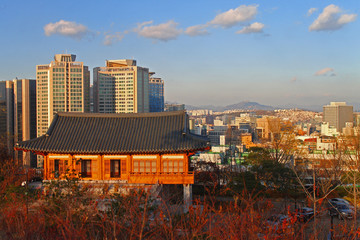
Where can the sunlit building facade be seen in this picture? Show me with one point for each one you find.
(121, 87)
(337, 114)
(62, 86)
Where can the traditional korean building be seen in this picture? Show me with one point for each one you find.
(143, 148)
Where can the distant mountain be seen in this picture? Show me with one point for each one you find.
(244, 105)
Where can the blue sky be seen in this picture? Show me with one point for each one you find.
(208, 52)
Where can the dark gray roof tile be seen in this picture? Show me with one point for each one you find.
(95, 133)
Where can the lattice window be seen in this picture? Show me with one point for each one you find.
(144, 166)
(173, 166)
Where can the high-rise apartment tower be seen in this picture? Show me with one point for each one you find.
(62, 86)
(337, 114)
(121, 87)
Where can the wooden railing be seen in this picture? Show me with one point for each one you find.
(162, 177)
(162, 173)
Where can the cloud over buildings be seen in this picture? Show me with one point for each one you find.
(331, 19)
(166, 31)
(66, 28)
(232, 17)
(326, 72)
(255, 27)
(110, 39)
(163, 32)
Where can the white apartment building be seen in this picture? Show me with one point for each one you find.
(61, 86)
(121, 87)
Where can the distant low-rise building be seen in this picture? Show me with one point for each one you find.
(326, 143)
(246, 139)
(200, 112)
(327, 130)
(348, 130)
(215, 134)
(266, 127)
(174, 107)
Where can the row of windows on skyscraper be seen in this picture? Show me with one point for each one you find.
(28, 106)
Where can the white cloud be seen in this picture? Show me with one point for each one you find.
(164, 31)
(331, 19)
(255, 27)
(66, 28)
(311, 11)
(232, 17)
(140, 25)
(197, 30)
(110, 39)
(325, 72)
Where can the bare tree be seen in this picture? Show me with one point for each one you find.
(350, 147)
(280, 141)
(316, 177)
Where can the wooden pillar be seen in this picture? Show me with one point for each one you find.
(46, 167)
(158, 164)
(101, 167)
(128, 167)
(73, 165)
(187, 197)
(186, 163)
(129, 164)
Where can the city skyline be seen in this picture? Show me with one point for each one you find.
(208, 52)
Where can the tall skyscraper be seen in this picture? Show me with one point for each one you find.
(20, 114)
(25, 117)
(7, 113)
(337, 114)
(62, 86)
(121, 87)
(156, 94)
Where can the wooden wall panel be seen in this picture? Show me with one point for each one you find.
(94, 169)
(78, 166)
(107, 168)
(51, 168)
(123, 167)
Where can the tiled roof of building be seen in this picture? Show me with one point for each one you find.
(100, 133)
